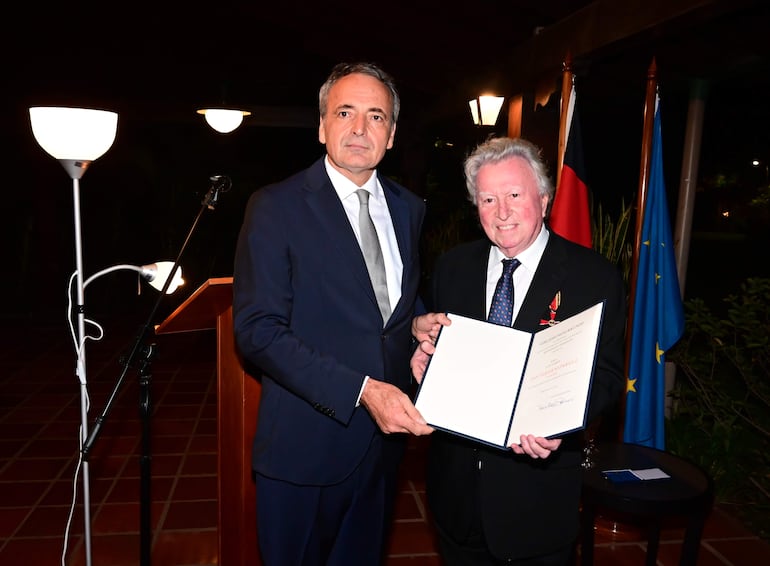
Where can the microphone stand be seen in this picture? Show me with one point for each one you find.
(220, 184)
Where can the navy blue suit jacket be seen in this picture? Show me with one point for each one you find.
(306, 320)
(529, 507)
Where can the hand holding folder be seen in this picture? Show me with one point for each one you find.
(494, 383)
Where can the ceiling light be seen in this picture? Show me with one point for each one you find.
(223, 120)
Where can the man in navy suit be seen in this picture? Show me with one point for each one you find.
(334, 373)
(520, 506)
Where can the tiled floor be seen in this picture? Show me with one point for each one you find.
(40, 402)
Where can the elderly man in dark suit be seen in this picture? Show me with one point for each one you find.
(333, 354)
(520, 506)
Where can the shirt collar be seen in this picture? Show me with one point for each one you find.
(530, 257)
(345, 187)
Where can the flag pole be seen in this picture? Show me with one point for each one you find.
(641, 197)
(566, 89)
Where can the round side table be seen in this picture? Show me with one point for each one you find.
(689, 492)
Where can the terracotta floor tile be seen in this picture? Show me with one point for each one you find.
(620, 554)
(23, 493)
(206, 426)
(198, 548)
(122, 549)
(172, 444)
(191, 488)
(32, 551)
(406, 508)
(200, 515)
(10, 519)
(203, 443)
(166, 464)
(722, 525)
(168, 412)
(123, 517)
(740, 551)
(40, 451)
(108, 466)
(44, 522)
(200, 464)
(412, 537)
(173, 426)
(29, 469)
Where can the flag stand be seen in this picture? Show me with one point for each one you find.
(611, 524)
(641, 197)
(570, 210)
(567, 80)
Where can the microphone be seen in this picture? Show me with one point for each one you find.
(219, 184)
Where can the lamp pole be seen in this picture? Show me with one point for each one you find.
(81, 364)
(76, 168)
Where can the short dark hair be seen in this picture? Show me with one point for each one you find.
(344, 69)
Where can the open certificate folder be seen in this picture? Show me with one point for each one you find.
(493, 383)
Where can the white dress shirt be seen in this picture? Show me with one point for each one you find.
(380, 213)
(522, 275)
(378, 210)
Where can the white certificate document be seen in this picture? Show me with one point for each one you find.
(493, 383)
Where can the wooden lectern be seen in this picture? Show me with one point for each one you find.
(210, 307)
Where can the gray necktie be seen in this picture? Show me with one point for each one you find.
(370, 245)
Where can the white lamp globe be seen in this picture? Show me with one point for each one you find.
(223, 120)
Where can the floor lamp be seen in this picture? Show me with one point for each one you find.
(76, 137)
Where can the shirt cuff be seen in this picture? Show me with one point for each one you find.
(358, 401)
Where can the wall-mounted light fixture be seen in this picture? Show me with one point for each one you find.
(485, 109)
(224, 120)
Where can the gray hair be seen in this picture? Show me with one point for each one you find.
(344, 69)
(495, 150)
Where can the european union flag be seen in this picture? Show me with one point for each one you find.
(658, 317)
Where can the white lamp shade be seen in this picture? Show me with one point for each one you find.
(157, 273)
(489, 106)
(223, 120)
(79, 134)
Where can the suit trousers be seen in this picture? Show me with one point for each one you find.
(334, 525)
(456, 554)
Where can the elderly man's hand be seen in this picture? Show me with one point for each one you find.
(427, 326)
(536, 446)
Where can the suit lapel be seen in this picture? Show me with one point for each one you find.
(399, 214)
(324, 203)
(477, 273)
(547, 282)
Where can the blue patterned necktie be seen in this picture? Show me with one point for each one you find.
(501, 311)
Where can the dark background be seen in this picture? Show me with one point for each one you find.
(156, 63)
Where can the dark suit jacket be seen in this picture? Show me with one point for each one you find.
(529, 507)
(306, 316)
